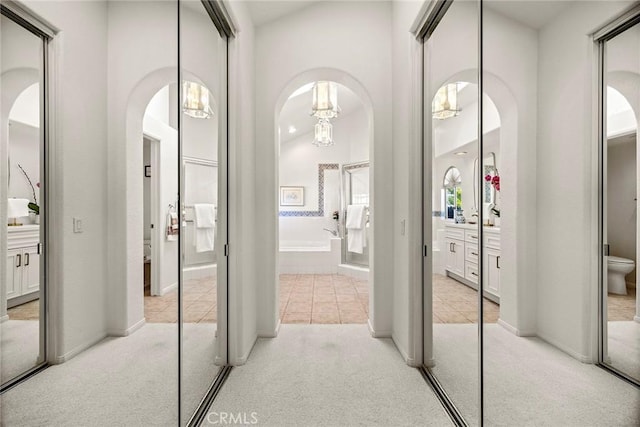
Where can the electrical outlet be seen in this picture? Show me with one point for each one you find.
(77, 225)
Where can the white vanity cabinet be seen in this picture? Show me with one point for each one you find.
(455, 251)
(462, 257)
(23, 264)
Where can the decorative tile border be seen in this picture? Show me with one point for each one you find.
(320, 212)
(357, 166)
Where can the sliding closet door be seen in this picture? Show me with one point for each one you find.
(203, 202)
(23, 145)
(620, 305)
(453, 213)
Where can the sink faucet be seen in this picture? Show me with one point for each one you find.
(334, 232)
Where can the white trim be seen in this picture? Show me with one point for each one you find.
(581, 357)
(168, 289)
(4, 318)
(515, 331)
(430, 363)
(270, 334)
(126, 332)
(243, 359)
(79, 349)
(381, 334)
(636, 318)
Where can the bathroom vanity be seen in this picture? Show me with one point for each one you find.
(23, 264)
(462, 256)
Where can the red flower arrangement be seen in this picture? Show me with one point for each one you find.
(494, 180)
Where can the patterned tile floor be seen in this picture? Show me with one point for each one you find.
(454, 302)
(622, 307)
(199, 298)
(323, 298)
(308, 298)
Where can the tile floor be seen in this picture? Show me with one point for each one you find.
(454, 302)
(323, 299)
(27, 311)
(622, 307)
(199, 298)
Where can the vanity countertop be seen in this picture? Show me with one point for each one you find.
(472, 227)
(23, 228)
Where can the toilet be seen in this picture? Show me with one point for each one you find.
(617, 268)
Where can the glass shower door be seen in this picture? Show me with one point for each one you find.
(356, 192)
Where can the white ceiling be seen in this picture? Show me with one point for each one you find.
(264, 11)
(534, 14)
(296, 112)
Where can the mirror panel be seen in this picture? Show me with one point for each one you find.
(203, 201)
(621, 175)
(451, 147)
(22, 303)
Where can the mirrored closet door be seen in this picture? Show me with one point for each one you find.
(23, 192)
(452, 273)
(620, 94)
(203, 201)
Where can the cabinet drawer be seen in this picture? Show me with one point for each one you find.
(471, 252)
(454, 233)
(471, 272)
(492, 240)
(471, 236)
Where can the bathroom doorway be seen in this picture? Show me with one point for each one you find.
(620, 303)
(323, 179)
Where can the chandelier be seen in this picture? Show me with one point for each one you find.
(445, 103)
(196, 100)
(324, 107)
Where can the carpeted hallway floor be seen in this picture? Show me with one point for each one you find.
(328, 375)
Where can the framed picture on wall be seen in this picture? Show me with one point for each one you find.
(291, 196)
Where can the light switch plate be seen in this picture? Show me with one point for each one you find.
(77, 225)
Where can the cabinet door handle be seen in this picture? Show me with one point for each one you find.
(475, 274)
(474, 237)
(498, 262)
(18, 260)
(473, 253)
(26, 259)
(454, 248)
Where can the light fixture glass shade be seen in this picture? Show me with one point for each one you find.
(196, 100)
(325, 100)
(323, 133)
(445, 103)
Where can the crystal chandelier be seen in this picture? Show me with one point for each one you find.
(445, 103)
(196, 100)
(324, 107)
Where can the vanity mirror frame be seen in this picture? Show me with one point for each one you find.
(41, 29)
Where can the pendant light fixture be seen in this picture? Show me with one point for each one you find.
(445, 103)
(196, 100)
(324, 107)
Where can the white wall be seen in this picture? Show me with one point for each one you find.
(243, 234)
(299, 160)
(24, 149)
(568, 158)
(621, 191)
(285, 50)
(78, 262)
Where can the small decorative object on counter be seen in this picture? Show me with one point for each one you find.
(336, 215)
(459, 218)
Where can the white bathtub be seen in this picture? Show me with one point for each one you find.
(310, 257)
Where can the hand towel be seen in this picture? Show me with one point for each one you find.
(172, 227)
(355, 224)
(205, 219)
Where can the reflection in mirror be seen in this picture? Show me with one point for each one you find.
(21, 291)
(451, 145)
(620, 222)
(202, 199)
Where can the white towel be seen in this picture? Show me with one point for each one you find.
(205, 219)
(355, 224)
(355, 216)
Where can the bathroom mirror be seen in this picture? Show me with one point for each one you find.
(620, 222)
(22, 295)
